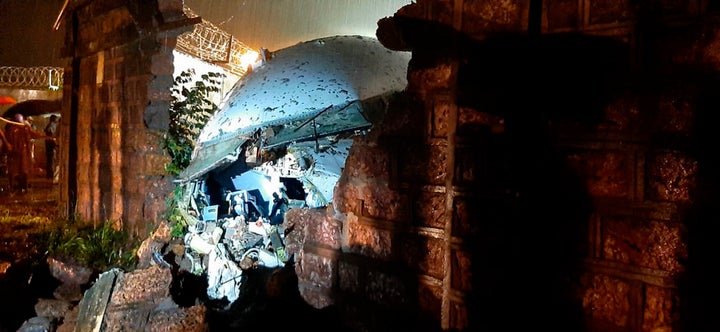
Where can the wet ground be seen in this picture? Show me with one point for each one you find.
(24, 218)
(24, 215)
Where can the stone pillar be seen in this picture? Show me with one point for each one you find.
(118, 92)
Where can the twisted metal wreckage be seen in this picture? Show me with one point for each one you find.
(279, 141)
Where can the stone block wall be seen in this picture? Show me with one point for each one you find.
(476, 216)
(120, 78)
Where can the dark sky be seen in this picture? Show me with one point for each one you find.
(27, 38)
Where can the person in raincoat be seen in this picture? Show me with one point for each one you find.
(19, 136)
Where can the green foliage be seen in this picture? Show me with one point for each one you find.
(178, 229)
(189, 112)
(174, 213)
(99, 248)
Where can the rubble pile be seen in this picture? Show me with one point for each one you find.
(223, 249)
(218, 252)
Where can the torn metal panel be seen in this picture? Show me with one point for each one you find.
(254, 179)
(327, 164)
(348, 119)
(211, 156)
(224, 276)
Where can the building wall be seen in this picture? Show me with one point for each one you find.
(507, 192)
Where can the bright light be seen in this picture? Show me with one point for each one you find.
(249, 58)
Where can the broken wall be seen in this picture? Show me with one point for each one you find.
(494, 197)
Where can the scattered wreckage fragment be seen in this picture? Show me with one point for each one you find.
(223, 248)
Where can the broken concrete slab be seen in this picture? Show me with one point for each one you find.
(95, 302)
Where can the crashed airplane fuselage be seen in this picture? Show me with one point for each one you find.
(292, 118)
(279, 141)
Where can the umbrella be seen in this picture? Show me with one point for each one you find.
(33, 107)
(7, 100)
(312, 89)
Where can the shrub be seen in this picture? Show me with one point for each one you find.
(175, 213)
(99, 248)
(190, 111)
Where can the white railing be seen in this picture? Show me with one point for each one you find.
(32, 77)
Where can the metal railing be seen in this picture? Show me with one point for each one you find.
(32, 77)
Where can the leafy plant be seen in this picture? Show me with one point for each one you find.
(99, 248)
(174, 213)
(189, 113)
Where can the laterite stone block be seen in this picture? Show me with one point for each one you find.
(652, 244)
(607, 299)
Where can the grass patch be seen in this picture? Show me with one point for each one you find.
(98, 247)
(8, 218)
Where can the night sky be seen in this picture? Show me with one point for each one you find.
(27, 38)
